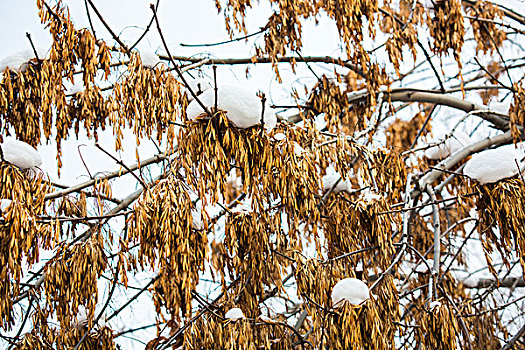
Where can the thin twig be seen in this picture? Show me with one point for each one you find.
(122, 164)
(113, 35)
(262, 30)
(32, 45)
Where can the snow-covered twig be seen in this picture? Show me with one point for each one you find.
(459, 156)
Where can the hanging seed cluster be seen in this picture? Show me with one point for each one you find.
(295, 178)
(422, 238)
(101, 339)
(400, 134)
(71, 278)
(369, 326)
(387, 302)
(87, 110)
(447, 27)
(147, 100)
(352, 224)
(315, 280)
(328, 98)
(21, 235)
(248, 241)
(162, 226)
(34, 102)
(389, 171)
(42, 336)
(356, 328)
(517, 113)
(486, 32)
(401, 25)
(485, 329)
(208, 147)
(283, 32)
(345, 156)
(499, 207)
(213, 333)
(438, 328)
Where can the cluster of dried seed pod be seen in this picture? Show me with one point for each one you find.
(162, 226)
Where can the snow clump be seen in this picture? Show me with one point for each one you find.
(494, 164)
(4, 204)
(279, 136)
(500, 107)
(446, 146)
(196, 222)
(369, 196)
(19, 61)
(243, 108)
(298, 150)
(434, 304)
(149, 58)
(20, 154)
(349, 289)
(328, 181)
(234, 314)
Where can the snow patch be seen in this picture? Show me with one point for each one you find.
(352, 290)
(434, 304)
(242, 107)
(266, 319)
(82, 318)
(328, 181)
(4, 204)
(494, 165)
(369, 196)
(196, 222)
(279, 136)
(20, 154)
(19, 61)
(234, 314)
(500, 107)
(149, 58)
(298, 150)
(75, 89)
(243, 208)
(422, 267)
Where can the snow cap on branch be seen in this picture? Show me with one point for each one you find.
(234, 314)
(196, 215)
(4, 204)
(279, 136)
(149, 58)
(446, 146)
(242, 107)
(352, 290)
(19, 61)
(328, 181)
(20, 154)
(434, 304)
(494, 165)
